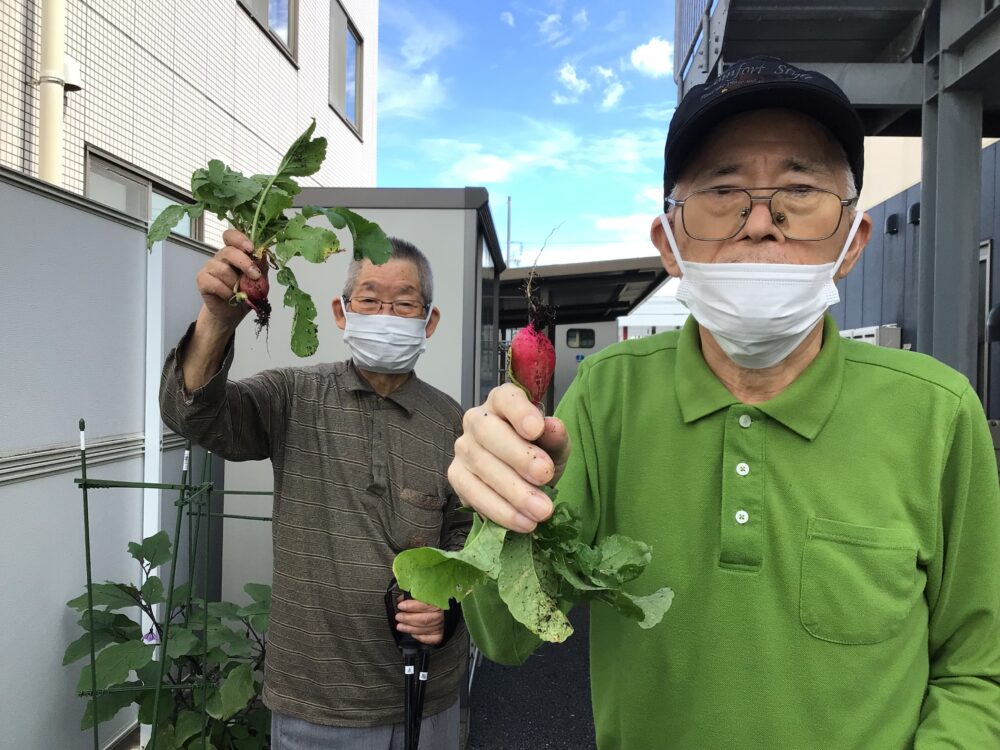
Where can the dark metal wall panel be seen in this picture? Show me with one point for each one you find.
(855, 295)
(990, 230)
(911, 246)
(989, 193)
(871, 300)
(894, 263)
(839, 311)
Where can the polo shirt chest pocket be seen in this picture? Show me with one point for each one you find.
(415, 520)
(858, 582)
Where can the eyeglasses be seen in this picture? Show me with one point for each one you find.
(404, 308)
(799, 213)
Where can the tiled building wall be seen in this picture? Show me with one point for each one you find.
(168, 85)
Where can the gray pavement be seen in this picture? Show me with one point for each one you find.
(544, 704)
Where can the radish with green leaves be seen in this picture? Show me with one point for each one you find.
(539, 575)
(258, 207)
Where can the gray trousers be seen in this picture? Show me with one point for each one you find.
(437, 732)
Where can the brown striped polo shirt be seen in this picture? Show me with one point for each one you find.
(357, 479)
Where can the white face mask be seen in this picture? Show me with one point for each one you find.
(758, 312)
(385, 343)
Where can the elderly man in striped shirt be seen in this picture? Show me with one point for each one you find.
(360, 451)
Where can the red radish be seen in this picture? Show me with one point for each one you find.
(532, 356)
(253, 292)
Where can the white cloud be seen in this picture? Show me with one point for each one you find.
(551, 27)
(556, 254)
(545, 146)
(508, 18)
(655, 58)
(561, 99)
(553, 32)
(652, 194)
(631, 227)
(658, 114)
(405, 94)
(426, 31)
(605, 73)
(567, 77)
(580, 18)
(612, 94)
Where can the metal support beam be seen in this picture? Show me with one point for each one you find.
(974, 60)
(875, 84)
(956, 230)
(928, 190)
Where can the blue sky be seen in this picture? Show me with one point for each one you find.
(562, 105)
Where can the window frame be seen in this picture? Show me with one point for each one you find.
(290, 50)
(138, 175)
(581, 338)
(359, 77)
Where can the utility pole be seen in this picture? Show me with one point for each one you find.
(508, 231)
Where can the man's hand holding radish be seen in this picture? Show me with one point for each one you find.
(507, 451)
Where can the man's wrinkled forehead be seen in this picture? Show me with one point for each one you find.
(796, 142)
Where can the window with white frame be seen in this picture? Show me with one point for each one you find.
(132, 193)
(346, 65)
(277, 17)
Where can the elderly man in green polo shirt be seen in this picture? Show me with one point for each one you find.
(826, 511)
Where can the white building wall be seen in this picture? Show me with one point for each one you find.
(168, 85)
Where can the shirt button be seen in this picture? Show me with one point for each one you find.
(745, 420)
(742, 517)
(742, 469)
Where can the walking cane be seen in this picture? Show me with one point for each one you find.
(416, 662)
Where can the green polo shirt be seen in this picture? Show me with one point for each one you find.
(834, 552)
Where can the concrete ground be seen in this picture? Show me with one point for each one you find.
(543, 704)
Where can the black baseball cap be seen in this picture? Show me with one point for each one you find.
(761, 83)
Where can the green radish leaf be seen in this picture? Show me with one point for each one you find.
(527, 585)
(114, 663)
(286, 184)
(167, 220)
(369, 240)
(305, 156)
(109, 595)
(315, 244)
(152, 590)
(304, 339)
(221, 189)
(108, 705)
(275, 204)
(435, 576)
(646, 610)
(81, 646)
(232, 695)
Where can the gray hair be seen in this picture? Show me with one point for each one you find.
(401, 250)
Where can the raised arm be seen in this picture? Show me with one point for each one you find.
(233, 419)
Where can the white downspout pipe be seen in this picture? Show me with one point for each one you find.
(51, 91)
